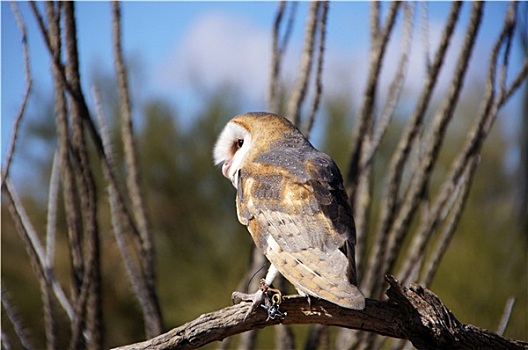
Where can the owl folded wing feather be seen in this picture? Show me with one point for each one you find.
(302, 223)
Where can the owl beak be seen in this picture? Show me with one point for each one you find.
(232, 176)
(225, 169)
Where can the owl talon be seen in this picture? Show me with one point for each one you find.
(259, 298)
(256, 300)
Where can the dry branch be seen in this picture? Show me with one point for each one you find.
(14, 318)
(36, 259)
(376, 264)
(23, 104)
(278, 49)
(435, 137)
(319, 71)
(412, 313)
(149, 301)
(301, 86)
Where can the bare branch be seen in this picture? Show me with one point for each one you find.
(425, 33)
(153, 320)
(395, 89)
(463, 168)
(411, 313)
(134, 275)
(506, 316)
(276, 59)
(86, 184)
(434, 140)
(396, 85)
(19, 329)
(229, 321)
(358, 181)
(53, 197)
(36, 258)
(510, 19)
(456, 206)
(29, 84)
(6, 344)
(319, 70)
(70, 195)
(35, 247)
(251, 283)
(301, 86)
(278, 50)
(521, 77)
(390, 197)
(366, 116)
(375, 21)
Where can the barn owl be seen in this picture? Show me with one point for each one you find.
(291, 198)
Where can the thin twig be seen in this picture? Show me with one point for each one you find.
(379, 41)
(25, 98)
(425, 34)
(4, 340)
(460, 193)
(319, 70)
(396, 85)
(36, 246)
(273, 105)
(250, 282)
(278, 49)
(86, 185)
(360, 167)
(85, 114)
(395, 89)
(299, 91)
(375, 10)
(53, 197)
(52, 38)
(476, 136)
(506, 316)
(70, 195)
(134, 274)
(489, 110)
(433, 143)
(36, 258)
(153, 320)
(510, 17)
(521, 77)
(19, 329)
(390, 197)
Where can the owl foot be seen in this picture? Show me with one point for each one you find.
(261, 297)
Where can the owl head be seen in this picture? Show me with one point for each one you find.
(247, 135)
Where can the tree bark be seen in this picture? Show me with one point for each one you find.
(413, 313)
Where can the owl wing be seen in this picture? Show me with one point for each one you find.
(302, 222)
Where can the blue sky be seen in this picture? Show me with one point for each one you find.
(180, 43)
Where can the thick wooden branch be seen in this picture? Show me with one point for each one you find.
(430, 325)
(413, 313)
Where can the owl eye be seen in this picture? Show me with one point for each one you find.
(240, 143)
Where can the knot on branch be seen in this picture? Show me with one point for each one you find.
(428, 319)
(429, 324)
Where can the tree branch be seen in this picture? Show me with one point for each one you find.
(25, 99)
(413, 313)
(151, 308)
(299, 92)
